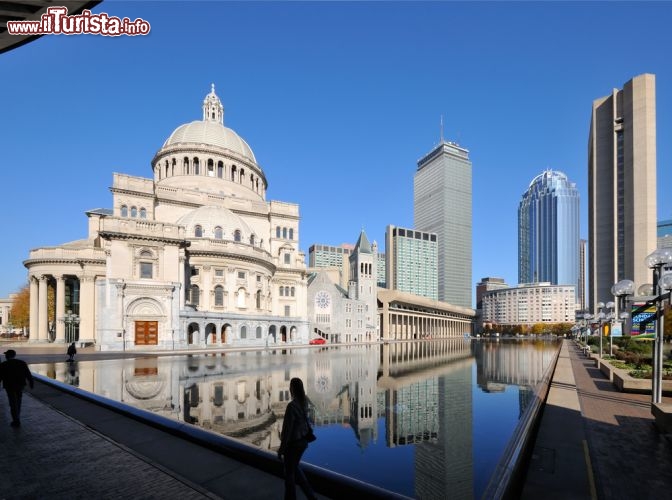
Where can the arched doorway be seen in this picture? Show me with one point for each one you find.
(272, 334)
(283, 333)
(193, 334)
(226, 333)
(210, 334)
(292, 333)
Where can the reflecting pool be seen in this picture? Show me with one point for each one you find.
(427, 419)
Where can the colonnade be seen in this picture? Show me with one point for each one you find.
(410, 325)
(39, 307)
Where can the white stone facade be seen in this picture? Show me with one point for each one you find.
(194, 257)
(528, 304)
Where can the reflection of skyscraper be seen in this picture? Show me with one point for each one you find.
(444, 467)
(442, 205)
(622, 186)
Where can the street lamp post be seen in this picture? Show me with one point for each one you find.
(586, 323)
(622, 290)
(71, 321)
(655, 261)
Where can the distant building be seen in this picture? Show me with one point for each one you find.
(665, 233)
(341, 315)
(528, 304)
(548, 231)
(442, 192)
(487, 285)
(382, 271)
(622, 186)
(323, 256)
(412, 261)
(5, 310)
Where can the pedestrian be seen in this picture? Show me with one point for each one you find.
(72, 350)
(294, 440)
(14, 373)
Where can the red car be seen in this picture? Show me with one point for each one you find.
(317, 341)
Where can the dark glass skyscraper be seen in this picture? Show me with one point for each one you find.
(548, 231)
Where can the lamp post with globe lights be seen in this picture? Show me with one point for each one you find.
(655, 261)
(622, 291)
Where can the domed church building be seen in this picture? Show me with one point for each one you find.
(193, 257)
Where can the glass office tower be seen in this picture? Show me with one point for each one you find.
(548, 231)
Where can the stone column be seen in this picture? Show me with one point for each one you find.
(87, 303)
(43, 312)
(60, 309)
(33, 325)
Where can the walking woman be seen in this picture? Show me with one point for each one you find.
(295, 431)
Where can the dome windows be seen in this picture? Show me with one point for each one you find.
(219, 233)
(198, 231)
(237, 235)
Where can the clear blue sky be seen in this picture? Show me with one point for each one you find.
(337, 100)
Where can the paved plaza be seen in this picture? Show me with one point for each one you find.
(593, 443)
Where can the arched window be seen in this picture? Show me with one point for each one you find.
(186, 165)
(220, 170)
(291, 233)
(243, 332)
(284, 232)
(173, 167)
(195, 293)
(198, 232)
(211, 168)
(252, 240)
(233, 172)
(166, 169)
(134, 211)
(277, 232)
(236, 235)
(292, 291)
(240, 298)
(258, 332)
(143, 213)
(218, 233)
(197, 167)
(286, 291)
(242, 175)
(219, 296)
(124, 211)
(258, 299)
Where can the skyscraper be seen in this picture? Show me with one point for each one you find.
(548, 231)
(411, 261)
(442, 205)
(581, 294)
(622, 186)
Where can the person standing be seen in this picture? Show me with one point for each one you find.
(13, 374)
(293, 442)
(72, 350)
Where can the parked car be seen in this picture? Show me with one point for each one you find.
(317, 341)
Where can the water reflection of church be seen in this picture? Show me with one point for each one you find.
(422, 391)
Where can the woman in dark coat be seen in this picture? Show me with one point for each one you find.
(295, 429)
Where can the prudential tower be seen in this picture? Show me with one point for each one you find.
(442, 205)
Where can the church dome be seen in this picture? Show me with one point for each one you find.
(213, 134)
(211, 130)
(210, 218)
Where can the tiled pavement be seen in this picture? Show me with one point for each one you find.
(596, 442)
